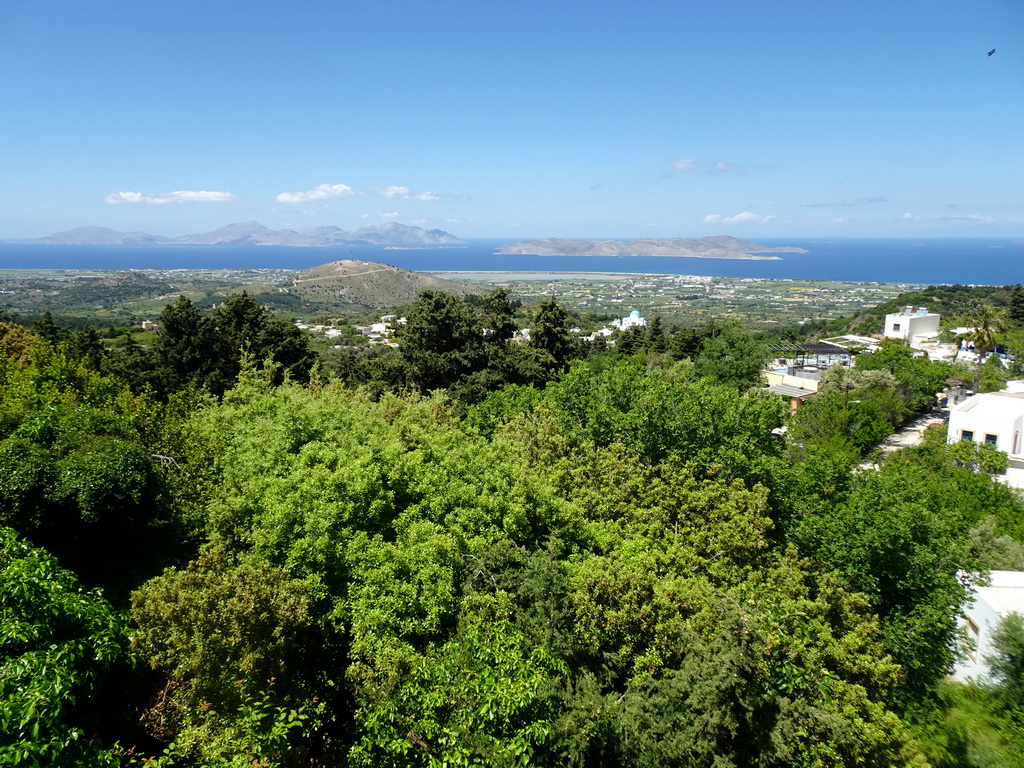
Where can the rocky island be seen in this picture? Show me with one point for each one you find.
(716, 247)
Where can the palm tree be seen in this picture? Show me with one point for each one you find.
(989, 324)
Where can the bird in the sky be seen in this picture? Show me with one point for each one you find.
(992, 51)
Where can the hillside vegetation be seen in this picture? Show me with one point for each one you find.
(476, 551)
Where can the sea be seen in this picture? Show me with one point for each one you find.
(931, 261)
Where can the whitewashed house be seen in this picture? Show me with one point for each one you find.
(911, 323)
(996, 418)
(1002, 596)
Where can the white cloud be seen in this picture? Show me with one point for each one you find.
(164, 198)
(427, 197)
(388, 214)
(721, 165)
(684, 164)
(320, 192)
(390, 192)
(739, 218)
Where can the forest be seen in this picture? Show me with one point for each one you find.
(223, 549)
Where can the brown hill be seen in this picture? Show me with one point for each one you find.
(350, 284)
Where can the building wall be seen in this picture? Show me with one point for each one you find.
(774, 378)
(1006, 428)
(911, 325)
(1004, 595)
(980, 621)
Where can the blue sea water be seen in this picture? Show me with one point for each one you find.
(983, 261)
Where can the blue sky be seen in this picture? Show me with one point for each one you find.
(515, 119)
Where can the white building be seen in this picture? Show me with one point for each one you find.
(991, 604)
(910, 323)
(633, 320)
(996, 418)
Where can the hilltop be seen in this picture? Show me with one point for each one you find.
(254, 233)
(351, 284)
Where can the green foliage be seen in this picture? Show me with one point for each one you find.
(989, 324)
(668, 414)
(900, 536)
(483, 698)
(732, 356)
(1016, 304)
(550, 334)
(918, 377)
(208, 350)
(1007, 664)
(962, 727)
(58, 645)
(619, 568)
(232, 621)
(441, 341)
(860, 419)
(78, 474)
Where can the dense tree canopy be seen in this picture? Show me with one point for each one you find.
(476, 551)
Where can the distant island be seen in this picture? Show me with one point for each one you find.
(254, 233)
(717, 247)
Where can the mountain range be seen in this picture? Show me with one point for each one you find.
(716, 247)
(254, 233)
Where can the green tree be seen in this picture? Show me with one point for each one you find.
(656, 340)
(1007, 663)
(899, 538)
(1016, 304)
(441, 341)
(989, 324)
(248, 328)
(550, 334)
(188, 349)
(87, 346)
(732, 356)
(62, 648)
(47, 328)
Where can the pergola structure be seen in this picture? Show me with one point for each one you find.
(820, 353)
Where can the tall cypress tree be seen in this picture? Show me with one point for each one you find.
(1017, 303)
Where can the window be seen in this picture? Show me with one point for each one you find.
(973, 636)
(895, 327)
(967, 435)
(991, 439)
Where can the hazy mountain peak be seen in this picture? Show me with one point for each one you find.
(254, 233)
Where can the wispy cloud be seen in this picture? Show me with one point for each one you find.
(847, 203)
(687, 164)
(740, 218)
(336, 191)
(166, 198)
(963, 217)
(320, 192)
(404, 193)
(390, 192)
